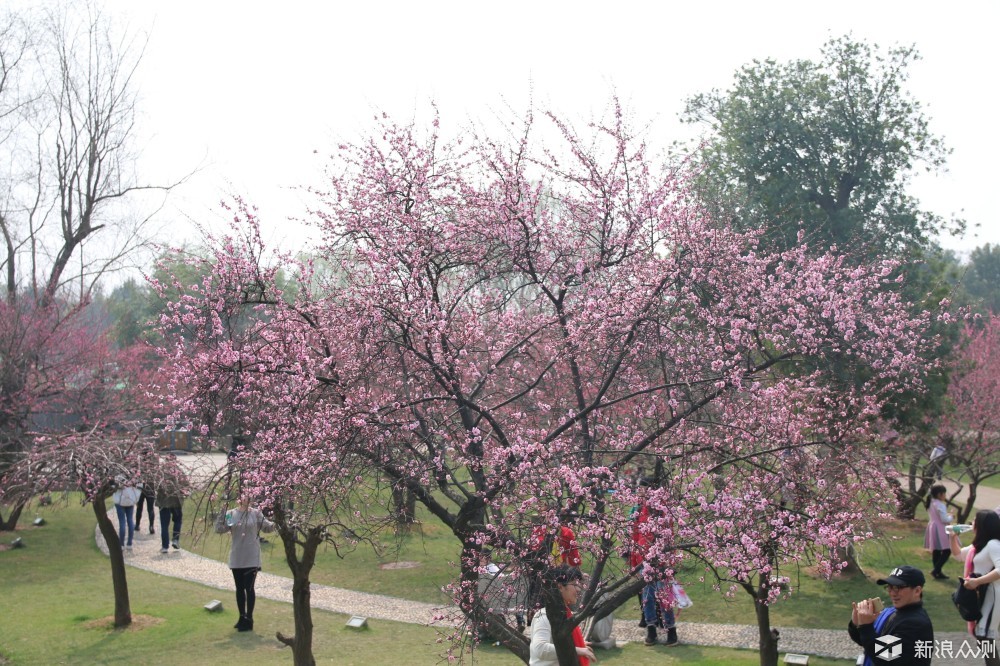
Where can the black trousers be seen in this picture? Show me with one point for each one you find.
(939, 558)
(246, 597)
(143, 497)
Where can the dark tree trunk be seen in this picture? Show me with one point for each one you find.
(509, 637)
(966, 512)
(10, 524)
(404, 504)
(907, 501)
(301, 567)
(767, 640)
(123, 610)
(482, 617)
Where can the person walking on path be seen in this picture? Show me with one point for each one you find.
(125, 498)
(906, 621)
(170, 498)
(147, 493)
(936, 537)
(245, 524)
(982, 559)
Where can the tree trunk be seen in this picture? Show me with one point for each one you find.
(906, 501)
(767, 641)
(970, 504)
(301, 567)
(11, 523)
(485, 607)
(302, 654)
(123, 610)
(404, 504)
(849, 555)
(509, 637)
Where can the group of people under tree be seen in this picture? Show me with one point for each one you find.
(168, 493)
(244, 523)
(559, 547)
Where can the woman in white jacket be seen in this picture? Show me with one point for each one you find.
(569, 580)
(985, 554)
(125, 498)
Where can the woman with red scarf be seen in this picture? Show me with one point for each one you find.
(569, 581)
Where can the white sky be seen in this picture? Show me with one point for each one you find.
(250, 90)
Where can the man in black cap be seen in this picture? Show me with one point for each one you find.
(902, 634)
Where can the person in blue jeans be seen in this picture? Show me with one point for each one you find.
(656, 614)
(125, 498)
(170, 500)
(170, 494)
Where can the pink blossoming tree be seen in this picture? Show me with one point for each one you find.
(232, 371)
(101, 451)
(971, 432)
(505, 328)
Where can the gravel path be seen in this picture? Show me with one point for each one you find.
(188, 566)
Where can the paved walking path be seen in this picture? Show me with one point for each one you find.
(183, 564)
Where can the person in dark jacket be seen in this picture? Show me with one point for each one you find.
(902, 634)
(170, 496)
(147, 495)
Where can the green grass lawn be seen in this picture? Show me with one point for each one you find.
(817, 603)
(57, 602)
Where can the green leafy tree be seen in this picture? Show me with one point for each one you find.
(825, 150)
(982, 279)
(129, 309)
(826, 147)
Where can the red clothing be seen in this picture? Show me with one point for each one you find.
(566, 543)
(640, 537)
(578, 641)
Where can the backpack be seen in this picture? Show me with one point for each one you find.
(968, 602)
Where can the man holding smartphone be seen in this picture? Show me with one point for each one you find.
(892, 634)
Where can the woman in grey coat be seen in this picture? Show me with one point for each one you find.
(245, 525)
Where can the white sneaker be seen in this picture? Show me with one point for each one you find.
(128, 549)
(164, 550)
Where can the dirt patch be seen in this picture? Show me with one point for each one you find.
(139, 622)
(399, 565)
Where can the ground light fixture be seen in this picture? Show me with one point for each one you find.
(214, 606)
(357, 622)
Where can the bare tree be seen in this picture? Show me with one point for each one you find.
(68, 188)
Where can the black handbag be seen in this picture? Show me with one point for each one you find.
(968, 602)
